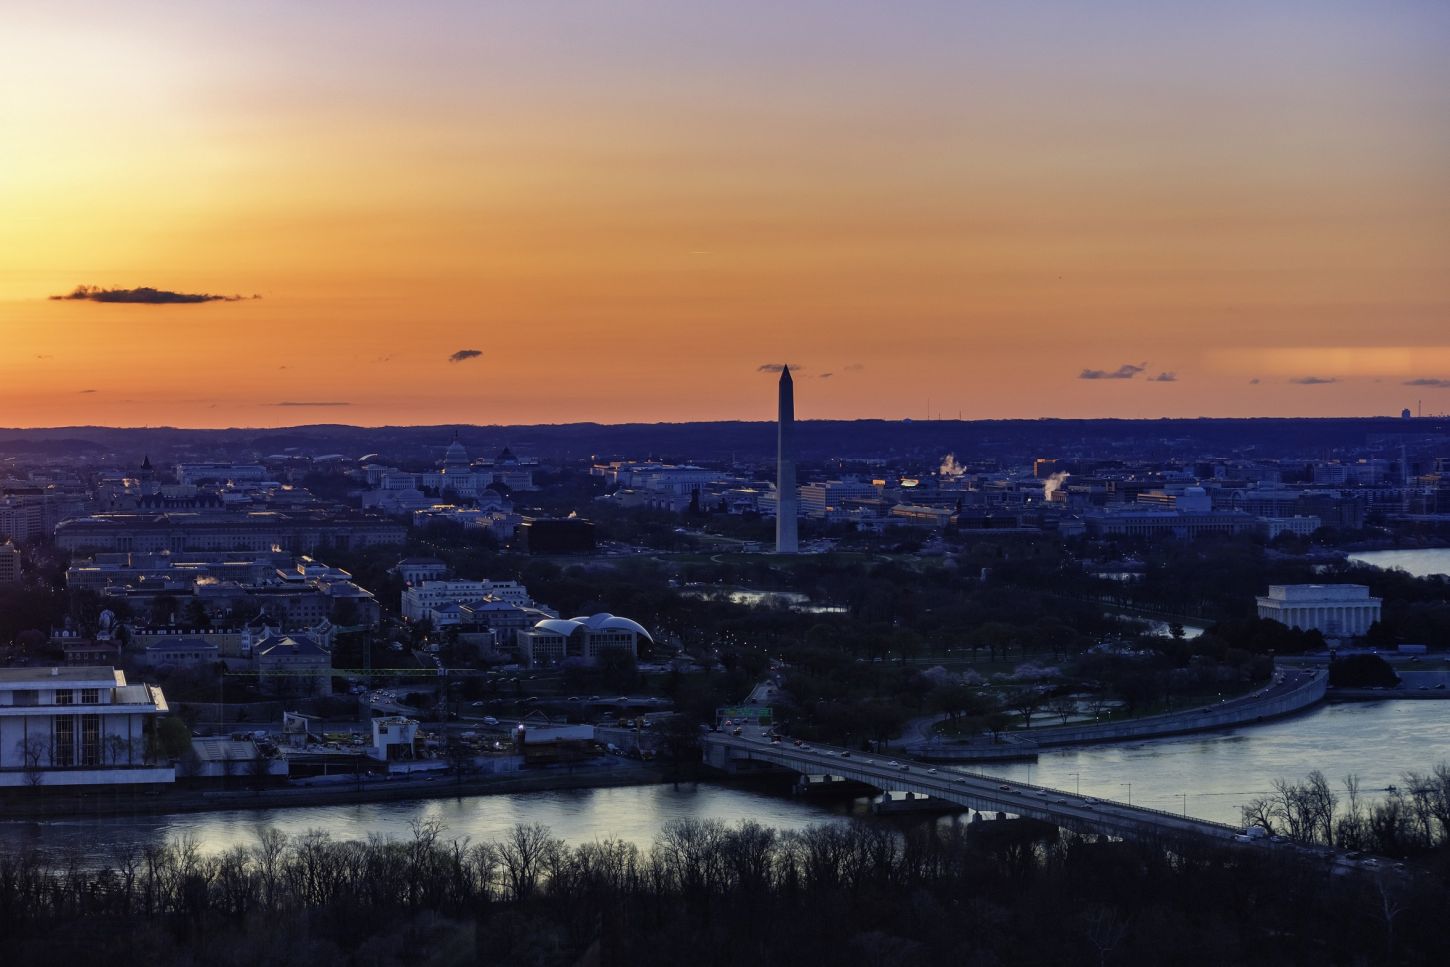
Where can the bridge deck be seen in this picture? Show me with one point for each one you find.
(982, 793)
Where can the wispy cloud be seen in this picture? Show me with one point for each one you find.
(777, 367)
(1314, 380)
(85, 391)
(144, 295)
(854, 367)
(311, 403)
(465, 354)
(826, 375)
(1254, 381)
(1427, 381)
(1125, 371)
(1166, 377)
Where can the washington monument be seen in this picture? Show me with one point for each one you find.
(786, 541)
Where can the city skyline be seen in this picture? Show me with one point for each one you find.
(519, 215)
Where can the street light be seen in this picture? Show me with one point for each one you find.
(1184, 797)
(1130, 791)
(1077, 776)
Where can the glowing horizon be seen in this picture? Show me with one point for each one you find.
(1122, 209)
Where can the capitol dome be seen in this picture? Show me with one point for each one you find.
(455, 455)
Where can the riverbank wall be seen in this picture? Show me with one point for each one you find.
(1246, 711)
(1023, 746)
(133, 801)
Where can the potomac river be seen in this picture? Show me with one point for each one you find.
(1216, 772)
(1420, 562)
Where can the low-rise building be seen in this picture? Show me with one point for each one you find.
(1272, 527)
(182, 651)
(394, 737)
(292, 665)
(77, 727)
(552, 640)
(420, 600)
(827, 499)
(416, 570)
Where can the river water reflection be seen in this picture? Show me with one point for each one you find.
(1217, 772)
(1418, 562)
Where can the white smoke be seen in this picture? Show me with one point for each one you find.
(1051, 485)
(950, 467)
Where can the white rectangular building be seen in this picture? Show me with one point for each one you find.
(420, 599)
(78, 726)
(1335, 610)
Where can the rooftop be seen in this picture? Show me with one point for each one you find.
(90, 674)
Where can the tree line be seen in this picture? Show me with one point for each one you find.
(707, 893)
(1412, 819)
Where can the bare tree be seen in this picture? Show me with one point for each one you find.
(1389, 903)
(1349, 829)
(1025, 701)
(34, 751)
(1105, 931)
(270, 851)
(522, 854)
(1099, 705)
(1064, 706)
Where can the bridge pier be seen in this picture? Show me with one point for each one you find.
(811, 785)
(892, 802)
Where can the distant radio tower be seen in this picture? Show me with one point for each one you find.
(786, 541)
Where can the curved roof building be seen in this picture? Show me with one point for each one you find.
(555, 639)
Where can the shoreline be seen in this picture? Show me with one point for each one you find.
(135, 802)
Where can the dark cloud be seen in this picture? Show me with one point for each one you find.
(1314, 380)
(145, 295)
(311, 403)
(1125, 371)
(827, 375)
(465, 354)
(777, 367)
(1432, 383)
(85, 391)
(1254, 381)
(1168, 377)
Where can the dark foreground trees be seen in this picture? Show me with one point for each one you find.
(708, 894)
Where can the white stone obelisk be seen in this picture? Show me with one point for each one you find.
(786, 496)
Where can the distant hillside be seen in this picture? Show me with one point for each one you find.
(1007, 440)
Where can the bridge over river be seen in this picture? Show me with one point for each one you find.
(1067, 810)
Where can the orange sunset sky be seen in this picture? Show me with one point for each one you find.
(629, 207)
